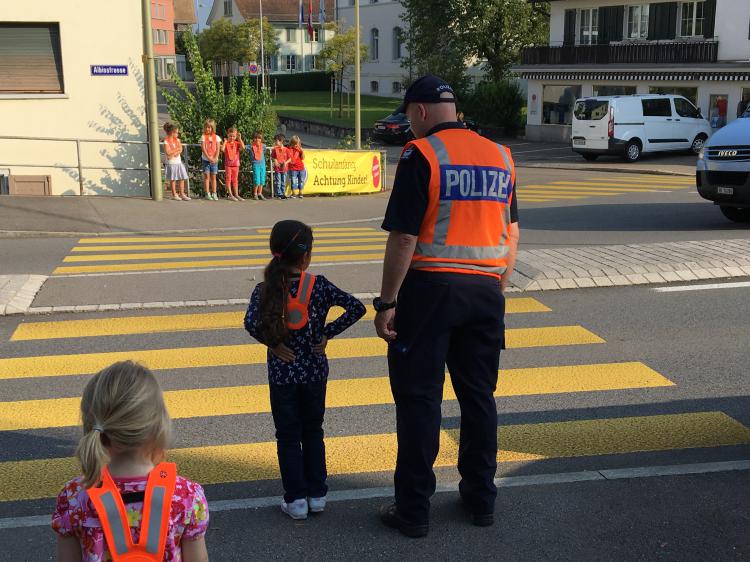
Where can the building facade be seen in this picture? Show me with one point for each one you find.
(697, 48)
(162, 32)
(72, 98)
(297, 53)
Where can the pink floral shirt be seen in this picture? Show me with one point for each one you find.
(75, 516)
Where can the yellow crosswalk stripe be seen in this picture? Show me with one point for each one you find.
(549, 195)
(253, 354)
(199, 245)
(357, 454)
(653, 179)
(154, 324)
(591, 189)
(616, 184)
(206, 254)
(564, 194)
(76, 269)
(147, 239)
(343, 393)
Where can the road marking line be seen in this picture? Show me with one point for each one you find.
(205, 254)
(651, 179)
(359, 454)
(560, 193)
(344, 393)
(209, 245)
(154, 324)
(198, 264)
(707, 287)
(549, 195)
(615, 184)
(545, 479)
(254, 354)
(591, 189)
(160, 239)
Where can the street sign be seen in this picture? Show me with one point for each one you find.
(253, 68)
(109, 70)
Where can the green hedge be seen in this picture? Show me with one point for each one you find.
(293, 82)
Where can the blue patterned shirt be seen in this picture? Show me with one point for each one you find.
(307, 366)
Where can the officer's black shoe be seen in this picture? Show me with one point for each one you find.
(390, 516)
(478, 519)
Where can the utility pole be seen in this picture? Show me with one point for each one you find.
(262, 52)
(357, 106)
(152, 116)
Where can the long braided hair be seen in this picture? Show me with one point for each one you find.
(290, 241)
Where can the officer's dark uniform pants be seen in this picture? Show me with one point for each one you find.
(454, 319)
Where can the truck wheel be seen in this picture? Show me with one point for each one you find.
(698, 144)
(632, 151)
(736, 214)
(590, 157)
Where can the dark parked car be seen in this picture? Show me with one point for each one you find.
(395, 129)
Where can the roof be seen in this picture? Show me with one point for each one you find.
(284, 10)
(184, 12)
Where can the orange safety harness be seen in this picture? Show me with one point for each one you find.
(156, 513)
(296, 307)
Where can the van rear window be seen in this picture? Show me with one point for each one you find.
(591, 110)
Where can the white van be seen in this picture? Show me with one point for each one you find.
(632, 125)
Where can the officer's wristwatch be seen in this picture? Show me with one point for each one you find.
(380, 306)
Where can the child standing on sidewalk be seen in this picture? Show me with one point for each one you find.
(280, 158)
(125, 434)
(297, 166)
(232, 148)
(257, 152)
(210, 143)
(287, 313)
(174, 172)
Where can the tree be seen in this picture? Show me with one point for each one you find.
(251, 29)
(338, 55)
(225, 42)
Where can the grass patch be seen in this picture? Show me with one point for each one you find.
(316, 106)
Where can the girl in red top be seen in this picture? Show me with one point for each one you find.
(232, 148)
(297, 165)
(210, 143)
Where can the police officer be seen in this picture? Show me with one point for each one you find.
(453, 228)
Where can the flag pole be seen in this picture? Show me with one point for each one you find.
(262, 51)
(357, 106)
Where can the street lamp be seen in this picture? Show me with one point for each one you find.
(262, 52)
(357, 107)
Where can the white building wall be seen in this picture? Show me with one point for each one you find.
(733, 29)
(93, 108)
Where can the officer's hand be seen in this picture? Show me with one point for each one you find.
(283, 352)
(320, 348)
(384, 324)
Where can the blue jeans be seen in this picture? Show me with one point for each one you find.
(279, 182)
(209, 167)
(298, 411)
(298, 179)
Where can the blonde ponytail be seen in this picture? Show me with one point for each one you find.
(123, 409)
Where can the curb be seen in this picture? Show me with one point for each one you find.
(649, 171)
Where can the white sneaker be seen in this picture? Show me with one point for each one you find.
(297, 510)
(317, 505)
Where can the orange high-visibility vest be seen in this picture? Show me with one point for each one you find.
(154, 524)
(211, 144)
(231, 153)
(173, 143)
(296, 307)
(466, 226)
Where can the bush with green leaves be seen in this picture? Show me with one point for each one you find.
(496, 104)
(244, 107)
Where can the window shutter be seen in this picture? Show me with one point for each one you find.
(30, 58)
(611, 24)
(569, 35)
(709, 23)
(662, 21)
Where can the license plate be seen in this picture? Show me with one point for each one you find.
(725, 190)
(579, 142)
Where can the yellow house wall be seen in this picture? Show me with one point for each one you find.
(92, 108)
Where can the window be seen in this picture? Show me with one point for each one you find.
(30, 59)
(657, 108)
(316, 35)
(398, 42)
(689, 93)
(310, 61)
(591, 110)
(374, 43)
(717, 110)
(588, 26)
(637, 22)
(614, 90)
(557, 104)
(396, 87)
(291, 35)
(291, 62)
(685, 109)
(228, 8)
(691, 18)
(374, 86)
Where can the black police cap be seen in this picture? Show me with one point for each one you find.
(428, 89)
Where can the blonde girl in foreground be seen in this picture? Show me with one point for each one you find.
(100, 515)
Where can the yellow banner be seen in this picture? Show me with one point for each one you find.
(338, 171)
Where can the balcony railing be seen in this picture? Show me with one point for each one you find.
(673, 52)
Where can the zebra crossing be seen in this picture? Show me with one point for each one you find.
(604, 186)
(358, 387)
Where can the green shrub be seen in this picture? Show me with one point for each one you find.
(243, 107)
(496, 104)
